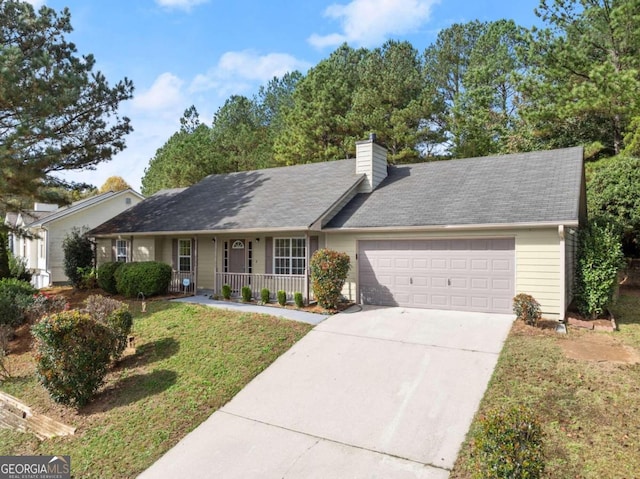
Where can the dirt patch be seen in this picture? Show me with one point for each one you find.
(599, 347)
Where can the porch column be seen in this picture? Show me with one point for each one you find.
(215, 265)
(307, 247)
(195, 266)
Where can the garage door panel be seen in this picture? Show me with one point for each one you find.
(465, 274)
(438, 264)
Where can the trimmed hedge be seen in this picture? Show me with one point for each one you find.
(72, 354)
(107, 278)
(150, 278)
(329, 271)
(509, 445)
(113, 314)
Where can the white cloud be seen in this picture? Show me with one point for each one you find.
(236, 72)
(36, 3)
(164, 94)
(180, 4)
(369, 22)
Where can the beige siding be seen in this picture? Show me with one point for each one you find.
(143, 249)
(538, 269)
(537, 259)
(104, 252)
(88, 217)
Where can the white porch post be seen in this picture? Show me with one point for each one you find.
(307, 247)
(215, 265)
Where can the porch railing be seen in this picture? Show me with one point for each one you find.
(273, 282)
(177, 282)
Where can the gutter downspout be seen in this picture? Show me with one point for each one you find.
(563, 273)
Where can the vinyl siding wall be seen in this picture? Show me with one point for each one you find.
(88, 217)
(537, 253)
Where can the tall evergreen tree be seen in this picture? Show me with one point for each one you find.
(56, 112)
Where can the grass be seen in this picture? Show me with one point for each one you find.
(589, 410)
(190, 360)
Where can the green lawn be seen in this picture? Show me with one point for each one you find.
(190, 361)
(589, 409)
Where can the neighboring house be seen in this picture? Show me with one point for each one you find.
(48, 225)
(463, 234)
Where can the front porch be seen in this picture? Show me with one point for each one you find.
(290, 283)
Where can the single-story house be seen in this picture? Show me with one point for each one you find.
(463, 234)
(47, 225)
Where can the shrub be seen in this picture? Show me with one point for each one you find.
(297, 298)
(149, 278)
(329, 271)
(246, 294)
(226, 291)
(6, 332)
(18, 268)
(78, 254)
(44, 304)
(526, 308)
(72, 354)
(5, 271)
(282, 297)
(115, 315)
(508, 444)
(265, 295)
(15, 298)
(88, 278)
(106, 276)
(599, 258)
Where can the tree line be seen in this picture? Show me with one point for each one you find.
(481, 88)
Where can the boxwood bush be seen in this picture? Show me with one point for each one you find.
(329, 271)
(107, 278)
(265, 295)
(149, 278)
(72, 354)
(508, 445)
(526, 308)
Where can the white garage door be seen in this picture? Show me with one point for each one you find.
(458, 274)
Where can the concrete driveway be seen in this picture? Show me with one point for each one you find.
(381, 392)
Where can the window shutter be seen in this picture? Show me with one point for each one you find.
(313, 245)
(268, 255)
(113, 250)
(174, 254)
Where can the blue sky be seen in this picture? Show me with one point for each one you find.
(199, 52)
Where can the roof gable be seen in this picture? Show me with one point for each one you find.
(80, 205)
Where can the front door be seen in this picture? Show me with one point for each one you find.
(237, 256)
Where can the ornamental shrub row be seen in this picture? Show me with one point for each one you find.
(150, 278)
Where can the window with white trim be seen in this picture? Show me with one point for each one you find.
(184, 255)
(289, 256)
(122, 251)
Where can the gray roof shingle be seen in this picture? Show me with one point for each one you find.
(531, 187)
(292, 197)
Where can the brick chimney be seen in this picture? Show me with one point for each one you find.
(371, 160)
